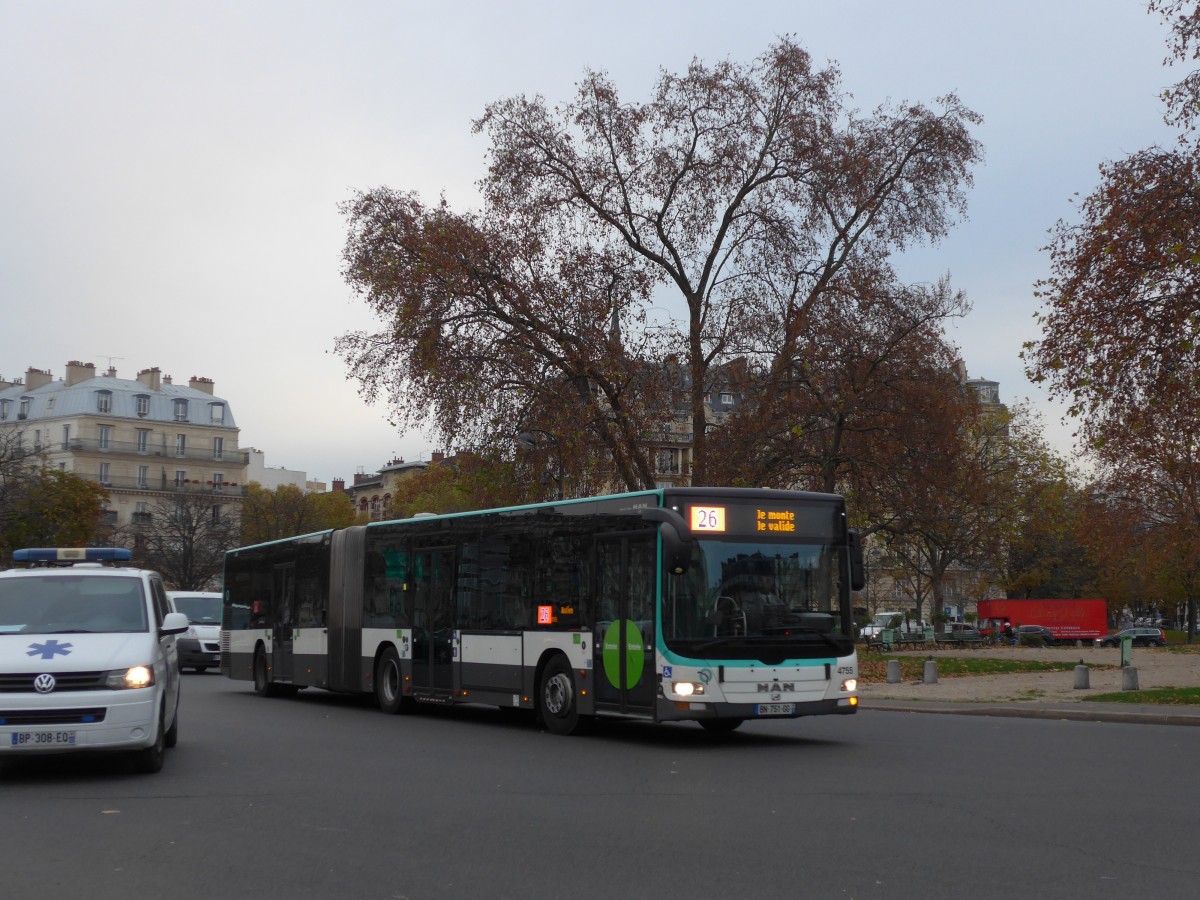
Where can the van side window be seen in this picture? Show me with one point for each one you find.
(162, 606)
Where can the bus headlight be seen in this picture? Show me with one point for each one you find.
(850, 684)
(134, 677)
(686, 688)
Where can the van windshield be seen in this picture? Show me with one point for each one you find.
(199, 609)
(72, 604)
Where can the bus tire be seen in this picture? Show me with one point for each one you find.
(262, 676)
(558, 704)
(389, 684)
(720, 726)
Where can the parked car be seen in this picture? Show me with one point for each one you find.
(1142, 637)
(1035, 634)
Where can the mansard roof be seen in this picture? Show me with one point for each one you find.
(80, 399)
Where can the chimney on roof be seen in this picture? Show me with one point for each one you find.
(201, 384)
(36, 378)
(166, 379)
(339, 485)
(78, 372)
(151, 378)
(437, 456)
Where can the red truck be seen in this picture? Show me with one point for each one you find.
(1068, 620)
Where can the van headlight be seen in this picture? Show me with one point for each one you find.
(133, 677)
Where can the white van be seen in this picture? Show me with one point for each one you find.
(87, 656)
(200, 645)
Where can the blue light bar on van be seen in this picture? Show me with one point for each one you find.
(72, 554)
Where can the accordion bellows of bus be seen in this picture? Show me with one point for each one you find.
(716, 605)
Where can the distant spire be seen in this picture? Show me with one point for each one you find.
(614, 328)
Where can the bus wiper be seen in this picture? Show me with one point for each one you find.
(824, 635)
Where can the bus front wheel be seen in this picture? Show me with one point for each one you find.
(557, 700)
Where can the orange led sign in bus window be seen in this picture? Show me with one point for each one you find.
(774, 520)
(708, 518)
(545, 615)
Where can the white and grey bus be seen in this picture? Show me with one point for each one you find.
(713, 605)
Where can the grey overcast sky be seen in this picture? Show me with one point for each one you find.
(170, 171)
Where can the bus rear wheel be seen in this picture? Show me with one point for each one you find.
(389, 684)
(557, 701)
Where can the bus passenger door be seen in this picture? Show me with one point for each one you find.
(282, 621)
(433, 621)
(624, 644)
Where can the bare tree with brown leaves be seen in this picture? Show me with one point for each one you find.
(743, 197)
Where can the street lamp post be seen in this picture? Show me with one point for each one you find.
(529, 440)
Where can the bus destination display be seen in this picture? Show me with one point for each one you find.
(762, 520)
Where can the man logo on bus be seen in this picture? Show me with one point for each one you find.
(776, 687)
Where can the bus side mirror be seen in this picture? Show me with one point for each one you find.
(858, 568)
(676, 542)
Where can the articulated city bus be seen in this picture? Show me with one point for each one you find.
(715, 605)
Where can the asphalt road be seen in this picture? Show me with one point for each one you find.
(323, 796)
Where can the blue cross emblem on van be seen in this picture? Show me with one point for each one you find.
(49, 650)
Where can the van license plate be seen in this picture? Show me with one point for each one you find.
(43, 738)
(774, 709)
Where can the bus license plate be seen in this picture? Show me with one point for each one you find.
(43, 738)
(774, 709)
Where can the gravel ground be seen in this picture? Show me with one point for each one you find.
(1157, 668)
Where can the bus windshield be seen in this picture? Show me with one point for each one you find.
(754, 593)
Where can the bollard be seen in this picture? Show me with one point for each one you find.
(893, 671)
(930, 671)
(1129, 679)
(1082, 676)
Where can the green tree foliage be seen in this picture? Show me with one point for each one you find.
(746, 197)
(41, 507)
(49, 508)
(287, 511)
(464, 483)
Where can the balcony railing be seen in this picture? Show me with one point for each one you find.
(228, 454)
(160, 483)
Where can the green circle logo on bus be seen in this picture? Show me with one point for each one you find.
(635, 656)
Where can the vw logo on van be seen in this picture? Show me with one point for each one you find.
(44, 684)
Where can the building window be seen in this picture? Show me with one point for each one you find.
(143, 440)
(218, 448)
(180, 477)
(5, 406)
(104, 474)
(66, 441)
(23, 409)
(181, 410)
(726, 398)
(143, 404)
(218, 481)
(217, 413)
(216, 515)
(105, 437)
(104, 401)
(181, 445)
(143, 478)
